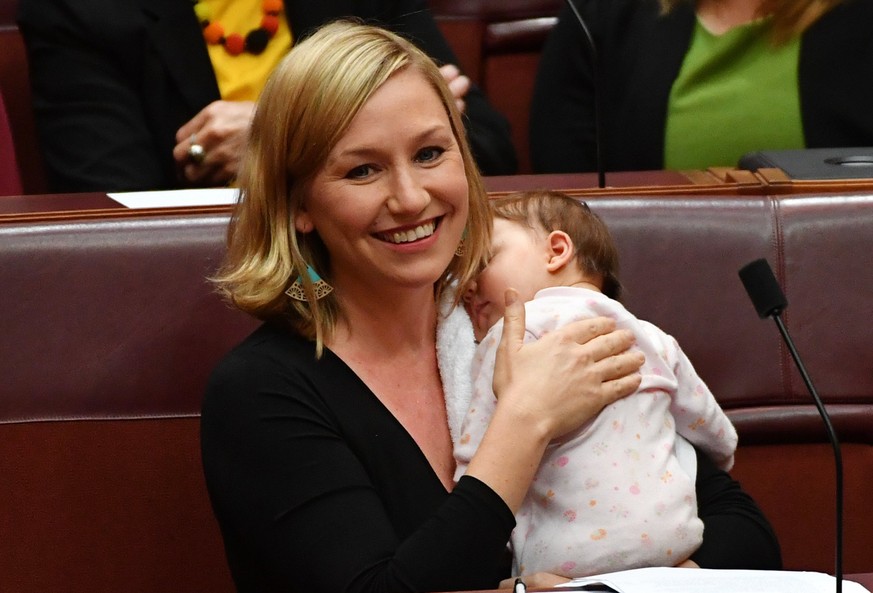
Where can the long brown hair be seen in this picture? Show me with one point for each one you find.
(791, 18)
(307, 105)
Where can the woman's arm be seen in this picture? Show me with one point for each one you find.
(736, 533)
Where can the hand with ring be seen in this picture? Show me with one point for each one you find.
(209, 147)
(196, 152)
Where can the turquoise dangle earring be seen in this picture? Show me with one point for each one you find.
(461, 249)
(319, 286)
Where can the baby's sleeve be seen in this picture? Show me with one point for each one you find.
(699, 417)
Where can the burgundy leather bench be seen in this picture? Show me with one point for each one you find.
(110, 329)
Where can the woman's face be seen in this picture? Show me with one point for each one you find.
(390, 202)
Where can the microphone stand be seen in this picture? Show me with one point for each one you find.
(596, 84)
(832, 435)
(769, 301)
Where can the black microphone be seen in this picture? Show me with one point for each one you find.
(596, 86)
(769, 301)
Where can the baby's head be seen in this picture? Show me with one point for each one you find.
(541, 239)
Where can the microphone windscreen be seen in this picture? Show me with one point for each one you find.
(763, 289)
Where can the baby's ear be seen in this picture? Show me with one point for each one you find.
(561, 250)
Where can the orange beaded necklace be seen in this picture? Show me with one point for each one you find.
(255, 40)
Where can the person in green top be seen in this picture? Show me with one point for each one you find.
(691, 84)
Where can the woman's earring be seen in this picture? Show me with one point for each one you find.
(461, 249)
(319, 286)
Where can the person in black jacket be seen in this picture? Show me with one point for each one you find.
(690, 84)
(123, 88)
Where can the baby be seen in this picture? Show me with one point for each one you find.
(618, 493)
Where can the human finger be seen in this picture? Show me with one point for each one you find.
(194, 173)
(460, 87)
(608, 353)
(449, 72)
(621, 364)
(577, 370)
(210, 173)
(458, 83)
(193, 125)
(584, 331)
(513, 321)
(191, 150)
(615, 389)
(511, 340)
(197, 136)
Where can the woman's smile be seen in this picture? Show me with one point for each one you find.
(409, 235)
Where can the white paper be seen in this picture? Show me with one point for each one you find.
(682, 580)
(177, 198)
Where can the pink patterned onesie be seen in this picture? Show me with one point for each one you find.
(611, 496)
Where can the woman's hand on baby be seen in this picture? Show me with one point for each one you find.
(569, 375)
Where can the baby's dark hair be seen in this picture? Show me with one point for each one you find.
(596, 254)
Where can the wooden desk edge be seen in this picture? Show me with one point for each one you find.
(715, 181)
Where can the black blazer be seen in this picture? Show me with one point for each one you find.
(641, 53)
(113, 80)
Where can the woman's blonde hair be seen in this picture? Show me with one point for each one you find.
(791, 18)
(305, 108)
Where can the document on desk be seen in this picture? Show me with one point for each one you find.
(689, 580)
(177, 198)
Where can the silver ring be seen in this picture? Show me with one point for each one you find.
(196, 152)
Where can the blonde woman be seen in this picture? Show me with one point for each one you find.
(325, 434)
(691, 84)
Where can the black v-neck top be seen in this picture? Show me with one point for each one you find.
(318, 488)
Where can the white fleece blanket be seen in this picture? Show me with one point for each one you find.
(455, 348)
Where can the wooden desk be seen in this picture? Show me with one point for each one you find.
(99, 205)
(79, 206)
(710, 182)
